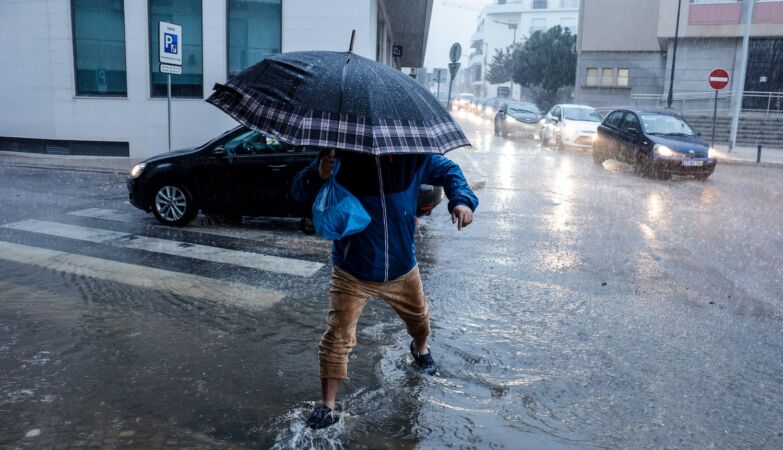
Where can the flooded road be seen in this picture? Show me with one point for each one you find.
(584, 308)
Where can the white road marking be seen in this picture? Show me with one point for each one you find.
(105, 214)
(277, 264)
(141, 276)
(224, 231)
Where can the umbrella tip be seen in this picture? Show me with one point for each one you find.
(353, 35)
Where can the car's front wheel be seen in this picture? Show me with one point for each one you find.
(173, 205)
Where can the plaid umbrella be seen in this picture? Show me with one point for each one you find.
(338, 100)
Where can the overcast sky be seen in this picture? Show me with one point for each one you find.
(450, 24)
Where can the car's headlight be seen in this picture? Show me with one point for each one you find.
(137, 170)
(662, 150)
(712, 153)
(595, 137)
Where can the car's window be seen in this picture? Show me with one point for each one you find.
(631, 122)
(253, 143)
(582, 114)
(614, 119)
(665, 124)
(521, 108)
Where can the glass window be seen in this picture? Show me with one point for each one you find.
(253, 32)
(99, 47)
(592, 76)
(568, 24)
(537, 25)
(666, 124)
(253, 143)
(186, 13)
(622, 77)
(581, 114)
(614, 118)
(607, 77)
(631, 122)
(569, 4)
(539, 4)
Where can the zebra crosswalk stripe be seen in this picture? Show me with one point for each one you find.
(237, 294)
(276, 264)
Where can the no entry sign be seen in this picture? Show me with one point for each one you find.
(719, 79)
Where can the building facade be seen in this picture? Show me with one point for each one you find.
(82, 76)
(625, 53)
(507, 21)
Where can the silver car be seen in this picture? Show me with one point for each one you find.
(570, 126)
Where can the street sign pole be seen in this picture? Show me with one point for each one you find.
(718, 79)
(714, 118)
(168, 94)
(170, 58)
(455, 53)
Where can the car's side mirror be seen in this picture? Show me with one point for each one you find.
(698, 133)
(219, 151)
(555, 119)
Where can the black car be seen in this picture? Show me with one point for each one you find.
(517, 118)
(239, 173)
(658, 144)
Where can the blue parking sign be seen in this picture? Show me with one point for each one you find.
(170, 44)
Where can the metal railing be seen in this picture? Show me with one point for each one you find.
(757, 102)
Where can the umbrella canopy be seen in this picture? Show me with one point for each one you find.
(338, 100)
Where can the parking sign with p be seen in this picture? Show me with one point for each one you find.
(170, 43)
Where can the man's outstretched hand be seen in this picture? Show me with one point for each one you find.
(326, 165)
(462, 216)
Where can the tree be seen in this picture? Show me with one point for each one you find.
(546, 61)
(499, 70)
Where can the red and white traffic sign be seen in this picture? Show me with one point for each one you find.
(719, 79)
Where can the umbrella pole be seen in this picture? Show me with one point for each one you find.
(353, 35)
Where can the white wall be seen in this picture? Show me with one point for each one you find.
(37, 91)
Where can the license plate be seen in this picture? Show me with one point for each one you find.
(692, 163)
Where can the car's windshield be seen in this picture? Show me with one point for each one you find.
(582, 114)
(665, 124)
(523, 108)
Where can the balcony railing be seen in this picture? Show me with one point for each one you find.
(759, 102)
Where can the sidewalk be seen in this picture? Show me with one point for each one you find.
(105, 164)
(770, 157)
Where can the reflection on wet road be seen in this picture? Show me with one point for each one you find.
(584, 308)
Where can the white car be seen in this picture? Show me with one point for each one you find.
(570, 126)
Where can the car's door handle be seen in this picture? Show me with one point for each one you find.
(278, 167)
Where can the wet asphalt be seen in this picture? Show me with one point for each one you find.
(585, 308)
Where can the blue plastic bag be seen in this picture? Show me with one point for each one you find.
(336, 212)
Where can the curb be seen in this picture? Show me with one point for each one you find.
(56, 167)
(739, 162)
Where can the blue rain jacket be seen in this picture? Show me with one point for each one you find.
(388, 188)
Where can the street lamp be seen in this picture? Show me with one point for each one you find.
(511, 26)
(674, 55)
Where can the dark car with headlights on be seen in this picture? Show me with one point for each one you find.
(517, 118)
(658, 144)
(239, 173)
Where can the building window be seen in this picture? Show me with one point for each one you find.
(253, 32)
(537, 25)
(592, 76)
(568, 24)
(607, 77)
(539, 4)
(477, 72)
(99, 47)
(623, 76)
(186, 13)
(569, 4)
